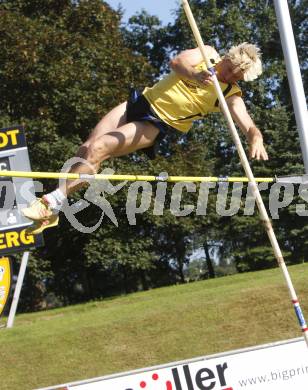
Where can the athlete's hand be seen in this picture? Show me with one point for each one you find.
(256, 148)
(203, 77)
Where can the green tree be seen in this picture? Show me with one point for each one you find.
(146, 36)
(63, 65)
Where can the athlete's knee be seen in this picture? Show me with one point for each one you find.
(84, 153)
(98, 150)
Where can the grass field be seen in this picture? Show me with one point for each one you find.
(149, 328)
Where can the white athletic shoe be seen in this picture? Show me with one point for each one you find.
(40, 212)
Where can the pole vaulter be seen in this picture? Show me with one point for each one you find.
(263, 213)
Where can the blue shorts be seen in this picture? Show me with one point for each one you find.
(139, 109)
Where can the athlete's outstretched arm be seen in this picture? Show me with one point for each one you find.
(184, 64)
(245, 123)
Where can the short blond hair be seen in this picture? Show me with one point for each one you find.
(248, 57)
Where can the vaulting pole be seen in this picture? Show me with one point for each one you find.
(245, 163)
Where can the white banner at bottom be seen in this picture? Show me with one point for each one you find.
(272, 367)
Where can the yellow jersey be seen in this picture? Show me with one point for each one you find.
(179, 101)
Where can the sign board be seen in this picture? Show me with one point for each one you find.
(15, 193)
(17, 239)
(282, 366)
(5, 281)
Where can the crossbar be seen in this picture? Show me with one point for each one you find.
(171, 179)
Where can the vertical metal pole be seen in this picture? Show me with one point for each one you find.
(245, 163)
(21, 274)
(294, 74)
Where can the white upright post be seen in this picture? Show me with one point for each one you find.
(21, 274)
(294, 74)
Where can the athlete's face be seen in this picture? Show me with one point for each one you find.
(228, 73)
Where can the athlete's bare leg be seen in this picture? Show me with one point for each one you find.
(112, 137)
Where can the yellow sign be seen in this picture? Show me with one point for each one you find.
(5, 281)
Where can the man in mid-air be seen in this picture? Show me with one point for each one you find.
(186, 94)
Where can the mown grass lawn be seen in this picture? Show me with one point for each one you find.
(149, 328)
